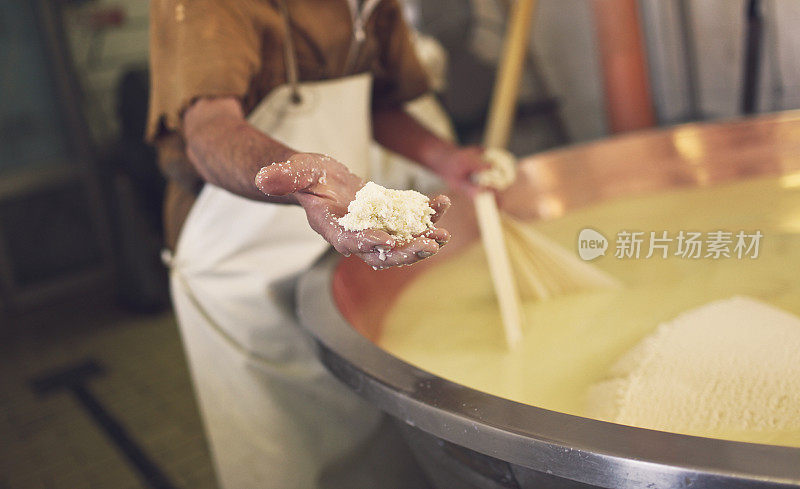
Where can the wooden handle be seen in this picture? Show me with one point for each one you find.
(503, 105)
(494, 245)
(498, 128)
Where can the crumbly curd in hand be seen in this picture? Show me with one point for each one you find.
(401, 213)
(447, 321)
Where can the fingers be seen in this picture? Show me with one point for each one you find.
(372, 240)
(439, 204)
(440, 235)
(380, 250)
(375, 249)
(349, 242)
(407, 254)
(289, 176)
(476, 162)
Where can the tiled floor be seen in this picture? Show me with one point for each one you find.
(50, 441)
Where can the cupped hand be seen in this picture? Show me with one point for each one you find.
(325, 187)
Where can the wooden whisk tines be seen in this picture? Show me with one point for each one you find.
(544, 269)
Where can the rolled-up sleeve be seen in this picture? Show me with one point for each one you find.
(198, 48)
(399, 75)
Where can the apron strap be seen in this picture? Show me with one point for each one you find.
(360, 11)
(290, 57)
(359, 16)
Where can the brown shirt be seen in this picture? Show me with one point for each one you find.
(208, 48)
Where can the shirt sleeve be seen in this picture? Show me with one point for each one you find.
(198, 48)
(399, 76)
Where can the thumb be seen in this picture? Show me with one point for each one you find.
(287, 177)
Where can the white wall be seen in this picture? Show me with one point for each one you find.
(782, 73)
(564, 40)
(563, 45)
(718, 28)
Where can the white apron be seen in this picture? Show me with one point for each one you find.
(275, 418)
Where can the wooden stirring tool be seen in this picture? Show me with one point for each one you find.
(498, 128)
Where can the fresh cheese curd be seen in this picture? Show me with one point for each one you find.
(401, 213)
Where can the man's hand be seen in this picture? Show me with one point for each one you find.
(458, 166)
(325, 187)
